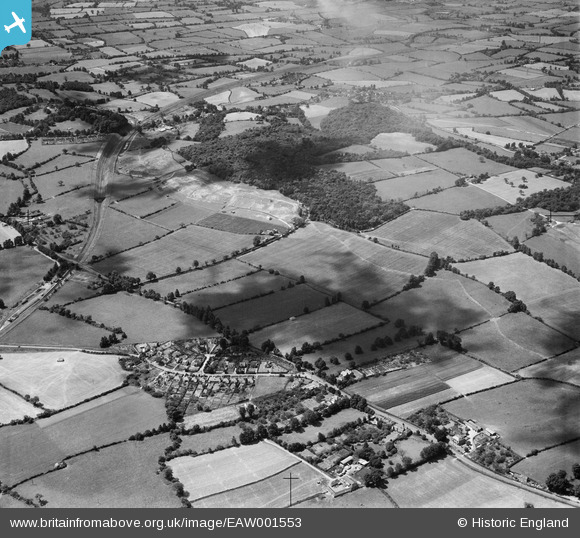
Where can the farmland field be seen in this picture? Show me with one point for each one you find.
(13, 407)
(423, 232)
(444, 302)
(177, 249)
(236, 290)
(140, 318)
(211, 418)
(310, 433)
(21, 268)
(458, 199)
(29, 449)
(271, 492)
(221, 471)
(561, 243)
(144, 204)
(565, 368)
(400, 142)
(180, 214)
(60, 384)
(551, 461)
(530, 414)
(514, 341)
(121, 476)
(512, 225)
(11, 191)
(450, 483)
(465, 162)
(359, 498)
(43, 328)
(201, 278)
(272, 308)
(202, 442)
(49, 185)
(366, 270)
(408, 186)
(239, 225)
(317, 326)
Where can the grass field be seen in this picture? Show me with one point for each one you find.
(49, 184)
(201, 278)
(74, 288)
(566, 368)
(408, 186)
(21, 268)
(551, 461)
(181, 215)
(11, 191)
(359, 498)
(121, 232)
(317, 326)
(465, 162)
(221, 471)
(365, 271)
(514, 341)
(238, 225)
(144, 204)
(530, 414)
(30, 449)
(444, 302)
(121, 476)
(46, 329)
(271, 492)
(513, 224)
(448, 483)
(425, 231)
(547, 292)
(400, 142)
(60, 384)
(272, 308)
(140, 318)
(561, 244)
(403, 166)
(178, 249)
(458, 199)
(310, 433)
(13, 407)
(202, 442)
(236, 290)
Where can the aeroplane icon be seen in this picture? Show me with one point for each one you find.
(17, 22)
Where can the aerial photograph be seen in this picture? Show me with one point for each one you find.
(294, 253)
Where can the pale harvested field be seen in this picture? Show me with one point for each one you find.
(317, 326)
(407, 409)
(424, 232)
(359, 498)
(271, 492)
(566, 368)
(484, 378)
(449, 484)
(366, 270)
(60, 384)
(211, 418)
(121, 476)
(221, 471)
(13, 407)
(514, 341)
(561, 244)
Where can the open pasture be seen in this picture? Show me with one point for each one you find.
(271, 492)
(366, 270)
(202, 442)
(58, 182)
(514, 341)
(270, 309)
(180, 215)
(74, 288)
(512, 225)
(140, 318)
(508, 186)
(239, 225)
(121, 232)
(530, 414)
(29, 449)
(145, 204)
(317, 326)
(178, 249)
(444, 302)
(564, 368)
(221, 471)
(414, 185)
(551, 461)
(449, 483)
(22, 269)
(400, 142)
(236, 290)
(120, 476)
(403, 166)
(46, 329)
(11, 190)
(423, 232)
(561, 243)
(60, 378)
(560, 311)
(310, 433)
(464, 162)
(13, 407)
(458, 199)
